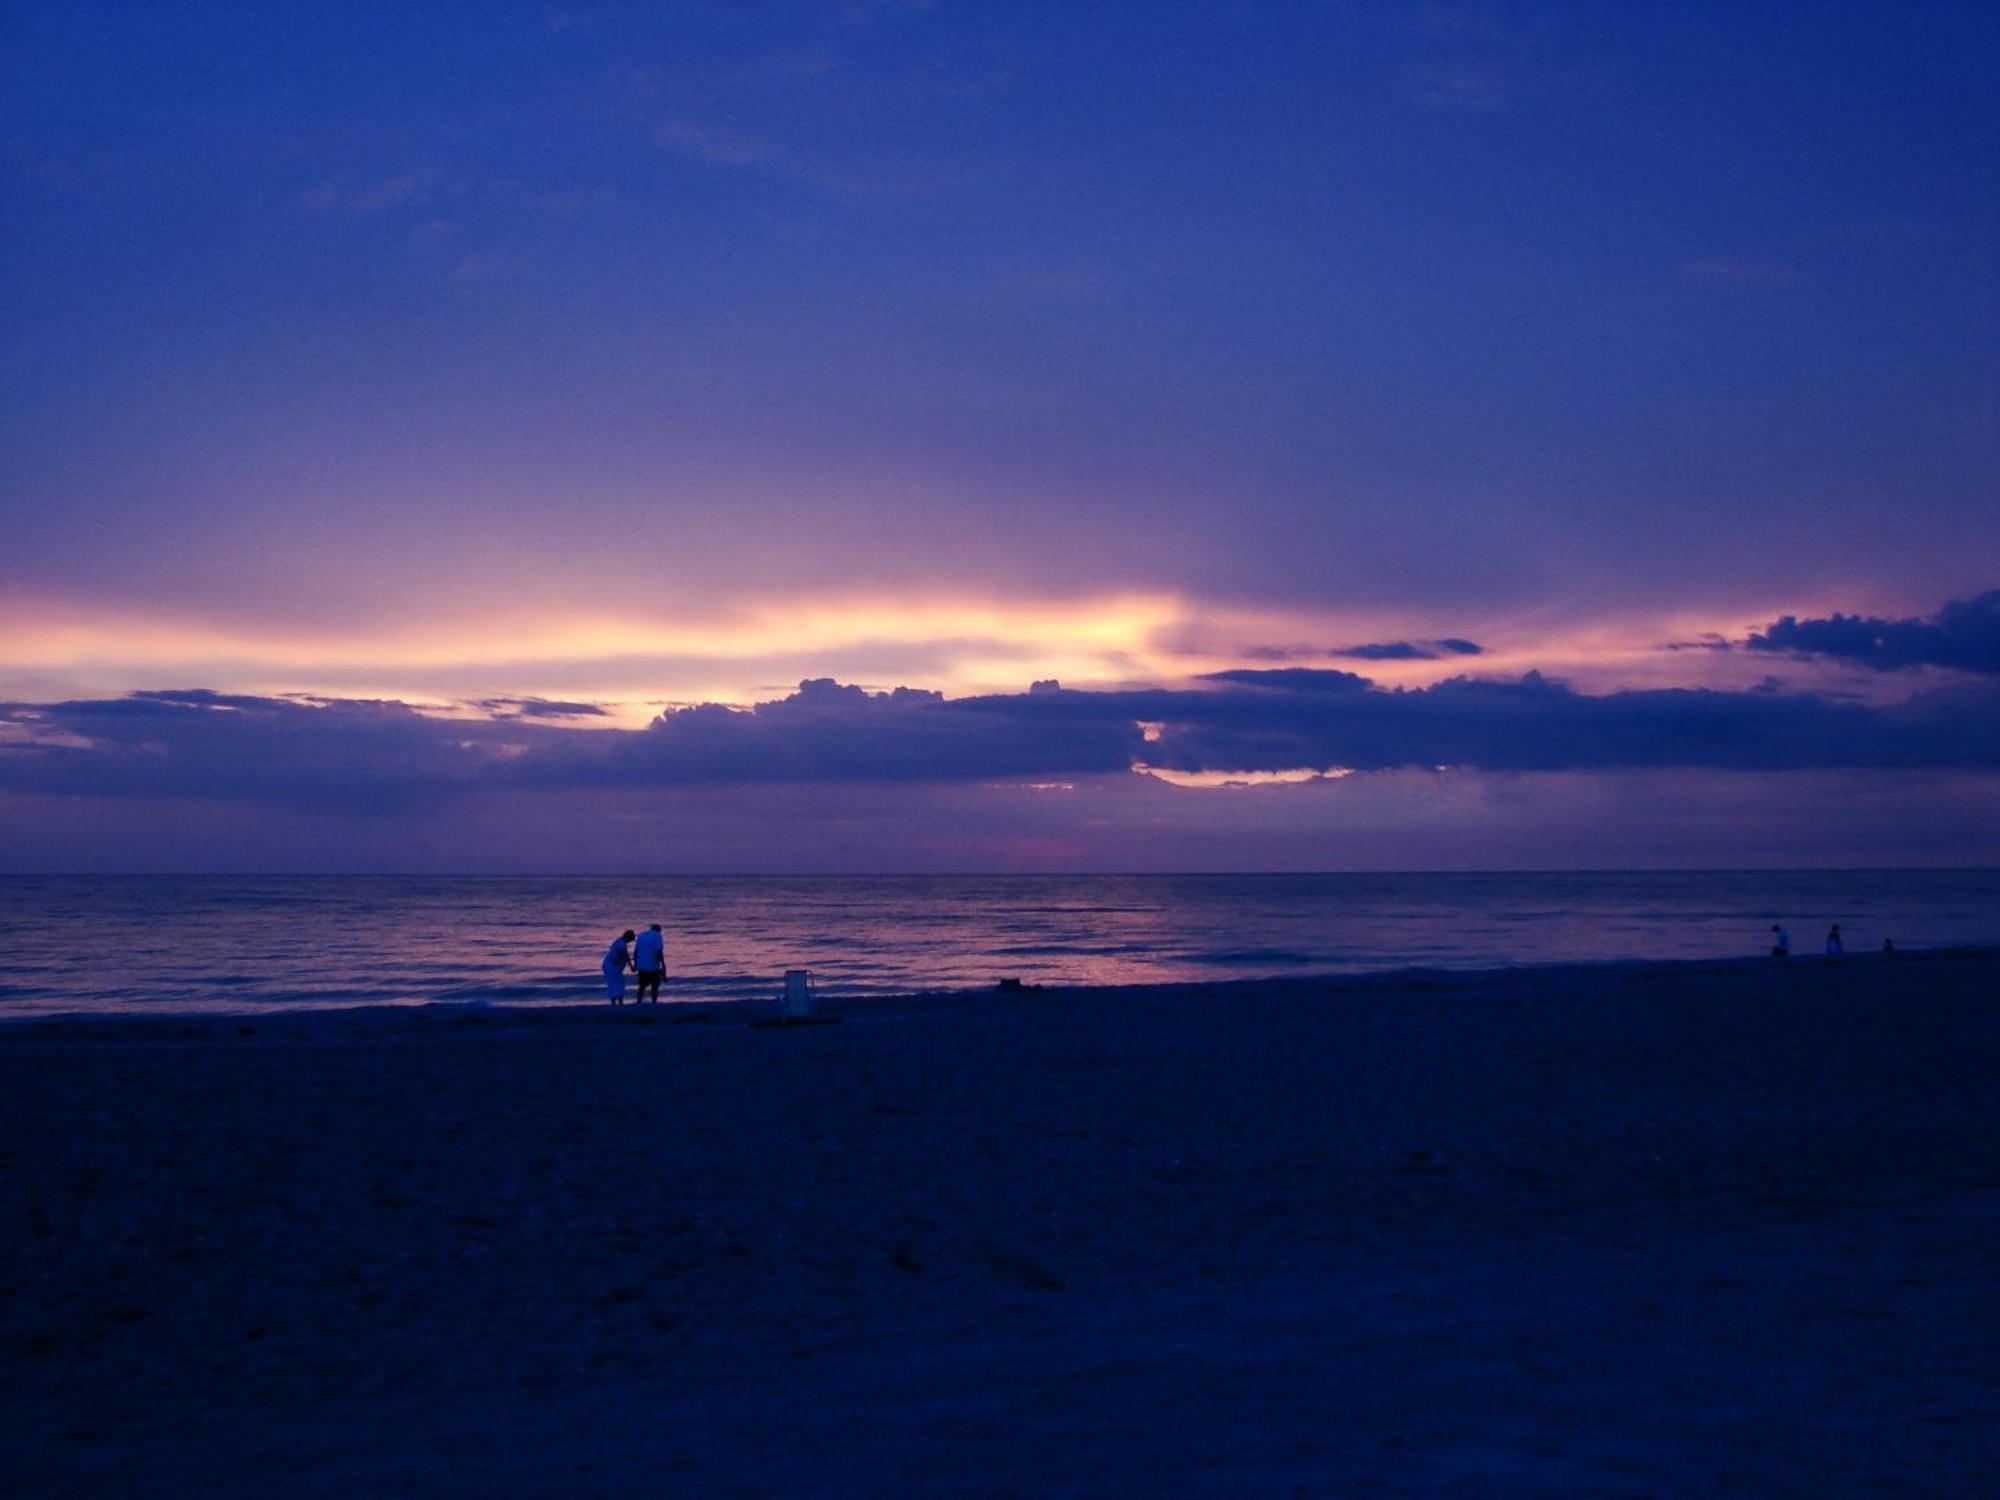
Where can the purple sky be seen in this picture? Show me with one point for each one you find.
(464, 393)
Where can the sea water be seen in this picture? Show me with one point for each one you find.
(97, 943)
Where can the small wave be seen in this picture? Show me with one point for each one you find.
(1244, 957)
(1087, 950)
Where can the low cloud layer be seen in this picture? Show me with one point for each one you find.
(375, 756)
(1963, 636)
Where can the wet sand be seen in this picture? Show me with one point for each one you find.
(1620, 1230)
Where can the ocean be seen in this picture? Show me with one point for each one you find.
(206, 943)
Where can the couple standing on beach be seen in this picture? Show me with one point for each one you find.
(645, 956)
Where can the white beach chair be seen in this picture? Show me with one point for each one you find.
(796, 1004)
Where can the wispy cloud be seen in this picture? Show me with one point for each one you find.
(540, 708)
(1443, 649)
(1708, 641)
(1438, 650)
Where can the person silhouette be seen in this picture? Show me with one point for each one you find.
(1781, 942)
(649, 961)
(1833, 945)
(617, 959)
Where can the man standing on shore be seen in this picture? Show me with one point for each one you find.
(649, 958)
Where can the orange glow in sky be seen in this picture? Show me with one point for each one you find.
(636, 664)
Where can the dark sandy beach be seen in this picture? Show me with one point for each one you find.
(1718, 1229)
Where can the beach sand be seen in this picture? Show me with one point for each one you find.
(1701, 1229)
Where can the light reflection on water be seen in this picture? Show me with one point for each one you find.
(188, 942)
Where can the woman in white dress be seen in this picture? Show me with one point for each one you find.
(617, 959)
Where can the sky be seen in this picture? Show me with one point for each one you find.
(885, 435)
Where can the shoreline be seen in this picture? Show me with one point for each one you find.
(1340, 984)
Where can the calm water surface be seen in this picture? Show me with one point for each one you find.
(75, 943)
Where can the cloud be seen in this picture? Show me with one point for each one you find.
(1291, 679)
(374, 756)
(539, 708)
(348, 754)
(1437, 650)
(830, 732)
(1538, 724)
(1707, 641)
(1410, 650)
(1963, 636)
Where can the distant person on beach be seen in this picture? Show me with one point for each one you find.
(1781, 942)
(649, 959)
(1888, 945)
(1833, 947)
(617, 959)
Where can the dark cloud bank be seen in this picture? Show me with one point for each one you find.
(1964, 636)
(367, 756)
